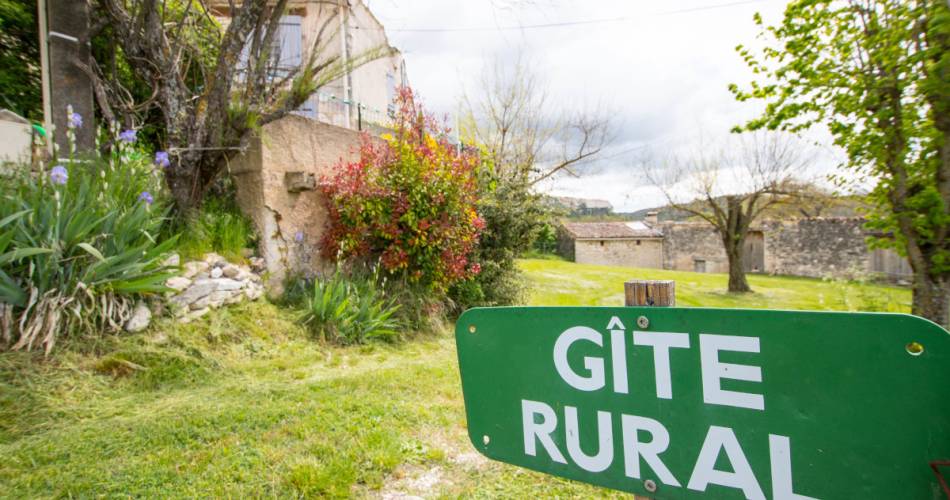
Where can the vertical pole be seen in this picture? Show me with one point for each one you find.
(68, 44)
(44, 72)
(658, 293)
(359, 117)
(345, 56)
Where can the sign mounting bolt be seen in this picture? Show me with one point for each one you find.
(471, 328)
(643, 322)
(649, 485)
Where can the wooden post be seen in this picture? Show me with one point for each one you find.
(658, 293)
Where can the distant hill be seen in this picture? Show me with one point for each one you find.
(838, 206)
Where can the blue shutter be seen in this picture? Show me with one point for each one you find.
(290, 40)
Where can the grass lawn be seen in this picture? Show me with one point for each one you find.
(243, 403)
(561, 283)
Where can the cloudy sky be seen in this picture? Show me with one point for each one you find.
(661, 68)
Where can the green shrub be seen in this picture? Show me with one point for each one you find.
(350, 310)
(514, 216)
(408, 203)
(78, 247)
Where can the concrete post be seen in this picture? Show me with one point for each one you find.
(68, 40)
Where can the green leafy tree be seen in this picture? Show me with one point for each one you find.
(876, 73)
(19, 58)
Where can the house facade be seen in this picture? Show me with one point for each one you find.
(813, 247)
(630, 244)
(346, 29)
(276, 176)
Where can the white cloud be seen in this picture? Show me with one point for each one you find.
(662, 76)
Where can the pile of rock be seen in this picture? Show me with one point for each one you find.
(203, 285)
(211, 283)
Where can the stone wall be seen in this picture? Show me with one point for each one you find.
(817, 247)
(276, 180)
(646, 253)
(693, 246)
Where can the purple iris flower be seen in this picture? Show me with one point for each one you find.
(146, 197)
(127, 136)
(74, 120)
(161, 159)
(59, 175)
(299, 237)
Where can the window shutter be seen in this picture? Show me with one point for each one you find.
(290, 40)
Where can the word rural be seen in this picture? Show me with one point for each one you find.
(694, 403)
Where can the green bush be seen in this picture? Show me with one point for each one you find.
(351, 310)
(514, 216)
(220, 227)
(78, 247)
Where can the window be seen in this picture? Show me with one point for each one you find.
(391, 94)
(638, 242)
(601, 242)
(287, 51)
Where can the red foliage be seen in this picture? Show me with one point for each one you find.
(409, 201)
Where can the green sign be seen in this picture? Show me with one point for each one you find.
(712, 403)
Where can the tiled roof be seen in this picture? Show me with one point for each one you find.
(611, 230)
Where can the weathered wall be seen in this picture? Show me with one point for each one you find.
(292, 144)
(565, 243)
(816, 247)
(648, 254)
(685, 243)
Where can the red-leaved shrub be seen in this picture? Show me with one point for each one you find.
(408, 201)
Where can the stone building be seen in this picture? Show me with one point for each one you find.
(632, 244)
(814, 247)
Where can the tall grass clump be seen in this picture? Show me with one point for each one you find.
(350, 308)
(78, 244)
(218, 226)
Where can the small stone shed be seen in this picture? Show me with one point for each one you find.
(276, 180)
(814, 247)
(631, 244)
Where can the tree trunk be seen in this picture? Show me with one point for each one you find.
(737, 280)
(931, 299)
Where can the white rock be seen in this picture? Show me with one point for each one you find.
(227, 284)
(254, 292)
(231, 271)
(193, 315)
(178, 283)
(212, 258)
(236, 298)
(202, 303)
(257, 264)
(198, 289)
(193, 268)
(141, 317)
(219, 298)
(216, 272)
(173, 260)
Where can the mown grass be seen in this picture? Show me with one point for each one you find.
(245, 404)
(561, 283)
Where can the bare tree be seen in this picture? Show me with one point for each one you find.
(238, 88)
(528, 136)
(731, 188)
